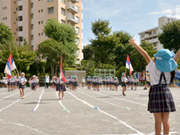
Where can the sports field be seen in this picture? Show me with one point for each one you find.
(82, 112)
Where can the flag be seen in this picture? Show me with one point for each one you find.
(61, 72)
(128, 65)
(10, 66)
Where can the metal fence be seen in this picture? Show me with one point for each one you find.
(104, 72)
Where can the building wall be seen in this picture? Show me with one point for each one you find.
(151, 35)
(35, 14)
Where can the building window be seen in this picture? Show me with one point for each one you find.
(63, 11)
(41, 34)
(20, 39)
(63, 1)
(32, 37)
(20, 28)
(41, 22)
(77, 30)
(32, 5)
(51, 10)
(32, 15)
(154, 32)
(20, 18)
(50, 0)
(32, 26)
(63, 22)
(20, 8)
(41, 10)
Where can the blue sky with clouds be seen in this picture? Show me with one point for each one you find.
(132, 16)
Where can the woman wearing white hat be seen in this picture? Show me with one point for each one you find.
(162, 72)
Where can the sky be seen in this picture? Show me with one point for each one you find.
(132, 16)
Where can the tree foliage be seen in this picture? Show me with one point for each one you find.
(170, 37)
(88, 52)
(23, 55)
(5, 34)
(52, 50)
(101, 28)
(137, 60)
(65, 36)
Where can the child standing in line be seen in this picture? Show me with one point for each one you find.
(22, 82)
(135, 83)
(162, 72)
(83, 82)
(132, 82)
(60, 88)
(124, 80)
(116, 83)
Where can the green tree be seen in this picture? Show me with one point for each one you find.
(5, 34)
(170, 37)
(51, 50)
(101, 28)
(88, 52)
(137, 60)
(65, 35)
(23, 55)
(123, 47)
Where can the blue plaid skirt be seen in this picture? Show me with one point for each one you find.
(160, 99)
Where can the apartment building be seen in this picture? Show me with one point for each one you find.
(151, 35)
(26, 18)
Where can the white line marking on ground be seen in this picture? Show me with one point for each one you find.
(9, 96)
(64, 108)
(13, 103)
(105, 101)
(122, 122)
(122, 99)
(38, 101)
(22, 125)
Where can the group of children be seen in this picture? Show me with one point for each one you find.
(108, 82)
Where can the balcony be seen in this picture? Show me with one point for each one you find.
(20, 23)
(20, 34)
(31, 10)
(72, 18)
(73, 7)
(20, 13)
(32, 32)
(32, 1)
(75, 0)
(32, 42)
(20, 3)
(31, 21)
(77, 30)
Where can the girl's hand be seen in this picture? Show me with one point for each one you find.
(132, 42)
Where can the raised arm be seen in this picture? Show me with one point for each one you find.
(176, 57)
(142, 51)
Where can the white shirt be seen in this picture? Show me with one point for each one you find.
(124, 79)
(155, 74)
(22, 80)
(83, 80)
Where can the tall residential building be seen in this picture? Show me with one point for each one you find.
(151, 35)
(26, 18)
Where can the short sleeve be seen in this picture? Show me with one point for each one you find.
(150, 67)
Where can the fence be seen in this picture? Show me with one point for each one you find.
(104, 72)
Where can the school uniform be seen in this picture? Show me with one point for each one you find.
(116, 82)
(60, 87)
(123, 81)
(21, 81)
(135, 82)
(160, 97)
